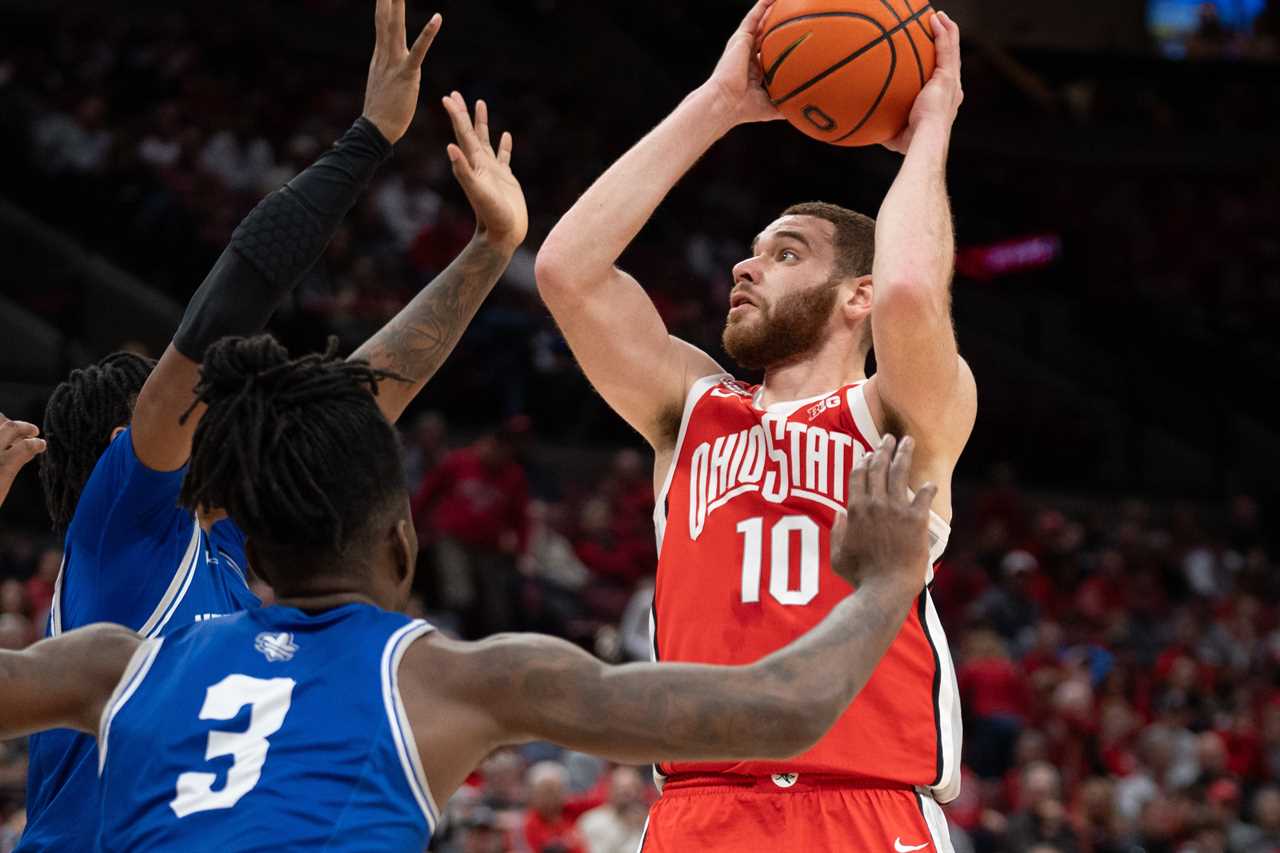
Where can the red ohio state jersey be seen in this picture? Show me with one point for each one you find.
(744, 534)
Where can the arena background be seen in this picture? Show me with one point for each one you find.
(1110, 589)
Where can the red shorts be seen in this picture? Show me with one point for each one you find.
(793, 813)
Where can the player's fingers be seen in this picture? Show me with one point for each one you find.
(878, 476)
(395, 24)
(423, 42)
(456, 107)
(504, 148)
(382, 20)
(946, 41)
(751, 23)
(924, 498)
(482, 124)
(461, 166)
(900, 470)
(11, 431)
(858, 479)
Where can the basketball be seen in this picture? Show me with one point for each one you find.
(846, 72)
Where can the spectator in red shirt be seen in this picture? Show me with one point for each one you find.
(476, 502)
(995, 697)
(549, 821)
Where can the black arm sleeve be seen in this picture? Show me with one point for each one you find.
(275, 245)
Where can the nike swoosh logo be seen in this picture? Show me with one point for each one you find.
(902, 848)
(782, 57)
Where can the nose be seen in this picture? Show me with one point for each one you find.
(747, 270)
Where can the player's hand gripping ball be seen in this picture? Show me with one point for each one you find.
(847, 71)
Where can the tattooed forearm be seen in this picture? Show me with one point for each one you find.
(644, 712)
(418, 340)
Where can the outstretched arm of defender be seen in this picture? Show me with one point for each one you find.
(923, 384)
(63, 682)
(419, 338)
(281, 239)
(541, 688)
(610, 323)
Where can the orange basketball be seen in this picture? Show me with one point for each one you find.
(847, 71)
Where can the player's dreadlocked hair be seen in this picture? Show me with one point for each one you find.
(295, 450)
(78, 422)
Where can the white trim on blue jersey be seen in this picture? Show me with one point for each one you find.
(177, 587)
(139, 665)
(55, 606)
(398, 719)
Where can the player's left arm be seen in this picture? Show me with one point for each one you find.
(64, 681)
(416, 342)
(922, 384)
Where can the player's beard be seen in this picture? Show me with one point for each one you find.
(791, 327)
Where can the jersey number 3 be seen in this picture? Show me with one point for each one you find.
(780, 559)
(269, 701)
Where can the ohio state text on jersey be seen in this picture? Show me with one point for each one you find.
(744, 535)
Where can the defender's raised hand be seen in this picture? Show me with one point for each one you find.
(738, 80)
(18, 446)
(395, 72)
(886, 531)
(486, 176)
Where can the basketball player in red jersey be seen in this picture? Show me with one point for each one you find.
(750, 479)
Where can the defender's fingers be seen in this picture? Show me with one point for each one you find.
(396, 22)
(461, 166)
(504, 148)
(924, 498)
(878, 477)
(456, 107)
(382, 20)
(858, 478)
(423, 42)
(900, 470)
(482, 123)
(12, 431)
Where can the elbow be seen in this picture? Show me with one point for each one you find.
(553, 268)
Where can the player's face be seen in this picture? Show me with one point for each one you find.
(784, 295)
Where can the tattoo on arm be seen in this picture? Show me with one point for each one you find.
(416, 342)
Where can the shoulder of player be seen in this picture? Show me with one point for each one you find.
(949, 433)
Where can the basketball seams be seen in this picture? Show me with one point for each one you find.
(910, 40)
(886, 35)
(888, 81)
(919, 19)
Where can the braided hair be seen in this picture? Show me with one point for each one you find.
(82, 412)
(294, 450)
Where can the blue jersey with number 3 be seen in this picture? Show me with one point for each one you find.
(134, 557)
(269, 730)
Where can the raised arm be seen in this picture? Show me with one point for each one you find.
(610, 323)
(279, 241)
(522, 687)
(418, 339)
(63, 682)
(921, 381)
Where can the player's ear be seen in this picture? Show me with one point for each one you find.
(856, 298)
(405, 550)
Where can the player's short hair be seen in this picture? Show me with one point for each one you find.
(78, 421)
(855, 237)
(295, 451)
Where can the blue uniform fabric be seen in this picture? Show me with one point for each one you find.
(134, 557)
(270, 730)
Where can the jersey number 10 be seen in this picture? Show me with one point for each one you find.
(780, 559)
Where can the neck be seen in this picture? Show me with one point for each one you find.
(826, 369)
(318, 601)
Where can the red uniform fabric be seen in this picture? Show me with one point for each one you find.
(744, 816)
(472, 502)
(744, 526)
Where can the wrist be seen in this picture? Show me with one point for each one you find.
(715, 110)
(501, 246)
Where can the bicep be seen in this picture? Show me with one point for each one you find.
(920, 376)
(63, 682)
(160, 440)
(626, 352)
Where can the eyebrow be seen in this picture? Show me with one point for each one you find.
(784, 234)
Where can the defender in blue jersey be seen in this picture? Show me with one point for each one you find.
(327, 722)
(119, 431)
